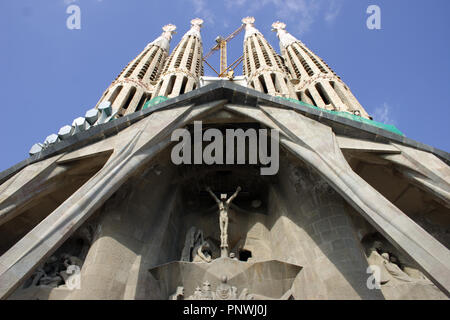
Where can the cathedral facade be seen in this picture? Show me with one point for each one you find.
(101, 210)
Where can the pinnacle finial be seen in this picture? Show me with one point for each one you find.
(196, 25)
(163, 40)
(285, 37)
(249, 27)
(169, 28)
(248, 20)
(197, 22)
(278, 25)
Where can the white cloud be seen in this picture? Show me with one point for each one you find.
(302, 13)
(384, 114)
(201, 8)
(333, 11)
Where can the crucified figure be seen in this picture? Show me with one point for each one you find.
(224, 205)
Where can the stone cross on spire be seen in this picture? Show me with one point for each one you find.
(196, 24)
(285, 37)
(249, 27)
(163, 41)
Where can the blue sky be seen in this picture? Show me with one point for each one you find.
(51, 75)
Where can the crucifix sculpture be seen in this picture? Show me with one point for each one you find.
(224, 205)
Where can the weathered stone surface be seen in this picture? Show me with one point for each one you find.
(146, 205)
(316, 145)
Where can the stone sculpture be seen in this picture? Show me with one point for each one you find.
(194, 237)
(202, 253)
(178, 295)
(391, 269)
(206, 291)
(197, 294)
(54, 272)
(224, 206)
(224, 291)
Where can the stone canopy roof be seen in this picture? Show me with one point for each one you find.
(235, 94)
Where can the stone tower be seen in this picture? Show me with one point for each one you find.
(136, 83)
(315, 82)
(263, 67)
(184, 67)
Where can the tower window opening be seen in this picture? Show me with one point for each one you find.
(170, 85)
(308, 94)
(115, 94)
(147, 63)
(322, 93)
(340, 94)
(303, 62)
(136, 63)
(183, 85)
(247, 60)
(263, 84)
(321, 68)
(276, 83)
(294, 66)
(166, 67)
(265, 54)
(141, 102)
(129, 98)
(181, 53)
(191, 56)
(123, 70)
(255, 54)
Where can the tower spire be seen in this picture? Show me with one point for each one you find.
(163, 40)
(285, 37)
(184, 67)
(136, 83)
(250, 27)
(316, 82)
(196, 25)
(263, 67)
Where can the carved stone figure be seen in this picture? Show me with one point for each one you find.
(68, 261)
(375, 258)
(394, 270)
(391, 270)
(36, 277)
(206, 291)
(194, 237)
(197, 294)
(224, 206)
(178, 295)
(224, 291)
(202, 253)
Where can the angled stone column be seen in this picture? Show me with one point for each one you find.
(316, 144)
(424, 170)
(140, 143)
(135, 147)
(25, 185)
